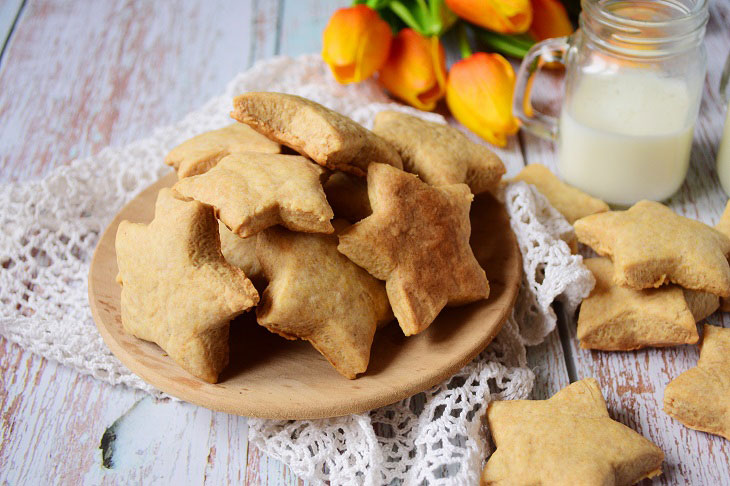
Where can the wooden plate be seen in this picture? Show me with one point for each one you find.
(271, 377)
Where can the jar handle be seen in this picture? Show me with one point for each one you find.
(542, 53)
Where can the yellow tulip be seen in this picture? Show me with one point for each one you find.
(504, 16)
(415, 70)
(355, 43)
(549, 19)
(479, 94)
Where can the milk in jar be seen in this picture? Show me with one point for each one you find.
(627, 136)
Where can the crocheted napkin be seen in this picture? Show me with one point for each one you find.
(51, 226)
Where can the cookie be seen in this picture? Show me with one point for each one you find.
(348, 196)
(723, 226)
(177, 289)
(240, 252)
(323, 135)
(251, 192)
(650, 245)
(568, 439)
(315, 293)
(438, 153)
(572, 203)
(202, 152)
(615, 318)
(417, 240)
(700, 397)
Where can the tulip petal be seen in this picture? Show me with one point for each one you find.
(479, 94)
(504, 16)
(549, 20)
(355, 43)
(415, 70)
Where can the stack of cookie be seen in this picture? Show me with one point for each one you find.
(658, 274)
(320, 214)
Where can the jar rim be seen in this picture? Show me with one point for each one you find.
(698, 14)
(645, 38)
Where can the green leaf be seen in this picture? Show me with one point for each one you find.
(509, 45)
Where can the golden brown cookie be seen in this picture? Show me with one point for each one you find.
(251, 192)
(316, 293)
(700, 397)
(417, 240)
(569, 201)
(701, 304)
(240, 252)
(202, 152)
(650, 245)
(438, 153)
(566, 440)
(348, 196)
(325, 136)
(615, 318)
(723, 226)
(177, 289)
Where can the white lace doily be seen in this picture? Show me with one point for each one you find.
(51, 226)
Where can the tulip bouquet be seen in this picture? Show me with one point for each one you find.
(401, 41)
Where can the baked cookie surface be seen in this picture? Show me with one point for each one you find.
(615, 318)
(565, 440)
(325, 136)
(417, 240)
(315, 293)
(204, 151)
(700, 397)
(177, 289)
(252, 191)
(651, 245)
(439, 154)
(569, 201)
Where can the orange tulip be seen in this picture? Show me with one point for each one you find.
(355, 43)
(549, 19)
(415, 70)
(504, 16)
(479, 94)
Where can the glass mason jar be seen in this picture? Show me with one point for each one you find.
(723, 153)
(633, 85)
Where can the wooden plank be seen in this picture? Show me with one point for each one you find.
(265, 30)
(633, 383)
(152, 64)
(9, 12)
(302, 24)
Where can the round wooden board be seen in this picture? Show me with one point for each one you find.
(270, 377)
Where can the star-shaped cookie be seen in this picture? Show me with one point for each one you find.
(723, 226)
(615, 318)
(202, 152)
(177, 289)
(700, 397)
(438, 153)
(650, 245)
(252, 191)
(417, 240)
(568, 439)
(325, 136)
(569, 201)
(316, 293)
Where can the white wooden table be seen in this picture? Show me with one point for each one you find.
(76, 76)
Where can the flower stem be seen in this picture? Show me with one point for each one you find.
(464, 46)
(405, 15)
(505, 44)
